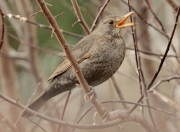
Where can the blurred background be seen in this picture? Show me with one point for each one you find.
(30, 54)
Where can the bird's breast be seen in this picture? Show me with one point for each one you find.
(105, 59)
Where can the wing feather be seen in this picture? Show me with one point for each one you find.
(80, 52)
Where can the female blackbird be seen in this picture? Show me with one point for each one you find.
(99, 55)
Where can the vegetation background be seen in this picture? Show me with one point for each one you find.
(30, 54)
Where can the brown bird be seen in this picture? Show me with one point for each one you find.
(99, 55)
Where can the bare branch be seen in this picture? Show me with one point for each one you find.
(72, 60)
(165, 99)
(133, 117)
(98, 15)
(8, 123)
(166, 52)
(119, 92)
(174, 4)
(40, 25)
(2, 29)
(64, 108)
(80, 17)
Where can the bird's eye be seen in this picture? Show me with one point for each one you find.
(111, 22)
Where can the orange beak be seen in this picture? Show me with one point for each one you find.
(122, 23)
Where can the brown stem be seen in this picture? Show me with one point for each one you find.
(166, 52)
(64, 108)
(134, 117)
(174, 4)
(2, 28)
(98, 15)
(83, 83)
(80, 17)
(119, 92)
(8, 123)
(24, 19)
(162, 61)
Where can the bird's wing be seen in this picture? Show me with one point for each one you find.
(80, 52)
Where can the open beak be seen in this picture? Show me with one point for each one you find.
(122, 23)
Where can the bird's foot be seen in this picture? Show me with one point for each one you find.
(89, 97)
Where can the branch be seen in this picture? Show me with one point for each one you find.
(2, 29)
(166, 99)
(98, 106)
(155, 16)
(98, 15)
(119, 92)
(162, 61)
(24, 19)
(163, 80)
(166, 52)
(135, 116)
(80, 17)
(64, 108)
(174, 4)
(160, 31)
(152, 53)
(8, 123)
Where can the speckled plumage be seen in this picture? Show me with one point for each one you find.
(99, 55)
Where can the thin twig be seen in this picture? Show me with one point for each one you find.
(64, 108)
(135, 50)
(36, 13)
(119, 92)
(166, 52)
(163, 80)
(37, 125)
(24, 19)
(160, 31)
(133, 117)
(162, 61)
(126, 102)
(166, 99)
(82, 116)
(27, 104)
(8, 123)
(59, 15)
(174, 4)
(161, 25)
(137, 56)
(151, 53)
(155, 16)
(2, 29)
(35, 47)
(140, 72)
(98, 15)
(79, 16)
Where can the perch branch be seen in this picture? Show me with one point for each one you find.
(87, 89)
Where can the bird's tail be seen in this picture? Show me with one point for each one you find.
(36, 104)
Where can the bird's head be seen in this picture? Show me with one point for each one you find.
(114, 25)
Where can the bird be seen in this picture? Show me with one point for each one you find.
(99, 55)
